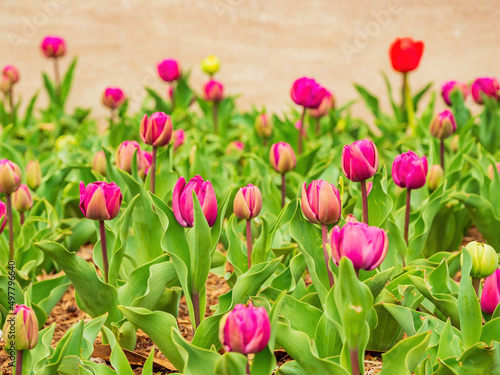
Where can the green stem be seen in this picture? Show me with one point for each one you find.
(248, 366)
(11, 103)
(196, 308)
(409, 108)
(407, 214)
(19, 362)
(354, 353)
(283, 190)
(8, 198)
(318, 125)
(172, 85)
(403, 92)
(152, 171)
(302, 117)
(324, 237)
(364, 201)
(215, 116)
(21, 217)
(57, 76)
(111, 118)
(476, 282)
(249, 243)
(104, 248)
(441, 153)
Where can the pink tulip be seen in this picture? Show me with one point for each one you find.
(448, 87)
(443, 125)
(245, 330)
(53, 46)
(320, 202)
(213, 91)
(169, 70)
(365, 246)
(307, 92)
(10, 176)
(26, 329)
(409, 171)
(113, 97)
(179, 136)
(3, 216)
(490, 296)
(125, 153)
(146, 160)
(100, 200)
(247, 202)
(360, 160)
(282, 157)
(21, 199)
(11, 72)
(157, 129)
(487, 86)
(182, 200)
(235, 147)
(324, 108)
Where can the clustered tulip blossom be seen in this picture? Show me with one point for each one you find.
(182, 200)
(54, 47)
(10, 180)
(101, 201)
(321, 204)
(450, 86)
(485, 87)
(359, 163)
(283, 160)
(247, 205)
(409, 171)
(490, 296)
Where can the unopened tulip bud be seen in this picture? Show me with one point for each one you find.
(169, 70)
(435, 177)
(443, 125)
(11, 72)
(409, 170)
(53, 46)
(156, 130)
(213, 91)
(100, 200)
(247, 202)
(113, 97)
(450, 86)
(484, 259)
(360, 160)
(282, 157)
(33, 174)
(125, 153)
(320, 202)
(179, 135)
(3, 216)
(210, 64)
(10, 176)
(264, 125)
(485, 86)
(245, 330)
(235, 147)
(182, 201)
(99, 163)
(491, 170)
(21, 199)
(5, 84)
(490, 296)
(23, 325)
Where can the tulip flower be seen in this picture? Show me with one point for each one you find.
(410, 172)
(99, 163)
(101, 201)
(321, 204)
(210, 65)
(485, 86)
(3, 216)
(235, 147)
(213, 91)
(448, 87)
(11, 72)
(484, 262)
(264, 126)
(365, 246)
(405, 54)
(307, 93)
(10, 180)
(54, 47)
(491, 170)
(490, 297)
(182, 200)
(245, 330)
(33, 174)
(282, 159)
(359, 163)
(125, 153)
(169, 71)
(179, 136)
(442, 126)
(156, 131)
(113, 97)
(247, 205)
(436, 174)
(22, 200)
(146, 163)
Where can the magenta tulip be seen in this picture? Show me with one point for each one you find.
(182, 200)
(448, 87)
(3, 216)
(113, 97)
(53, 46)
(23, 324)
(100, 200)
(490, 296)
(307, 92)
(409, 171)
(282, 157)
(245, 330)
(213, 91)
(324, 108)
(12, 74)
(169, 70)
(10, 176)
(320, 202)
(156, 130)
(360, 160)
(365, 246)
(443, 125)
(146, 162)
(179, 136)
(247, 202)
(485, 86)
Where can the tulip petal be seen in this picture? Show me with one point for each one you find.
(178, 188)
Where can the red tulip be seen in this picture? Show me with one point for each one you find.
(21, 199)
(179, 136)
(405, 54)
(3, 216)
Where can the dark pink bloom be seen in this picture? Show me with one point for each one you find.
(282, 157)
(247, 202)
(324, 108)
(307, 92)
(11, 72)
(490, 296)
(146, 160)
(485, 86)
(169, 70)
(113, 97)
(448, 87)
(100, 200)
(53, 46)
(443, 125)
(157, 129)
(320, 202)
(360, 160)
(26, 329)
(213, 91)
(409, 171)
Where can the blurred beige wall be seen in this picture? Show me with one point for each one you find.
(263, 44)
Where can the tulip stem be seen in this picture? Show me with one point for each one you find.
(409, 105)
(152, 176)
(302, 117)
(364, 201)
(403, 92)
(441, 153)
(57, 76)
(318, 125)
(249, 243)
(8, 198)
(407, 214)
(215, 116)
(283, 190)
(111, 118)
(19, 362)
(172, 86)
(11, 103)
(354, 361)
(476, 282)
(248, 366)
(196, 308)
(104, 248)
(324, 236)
(21, 217)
